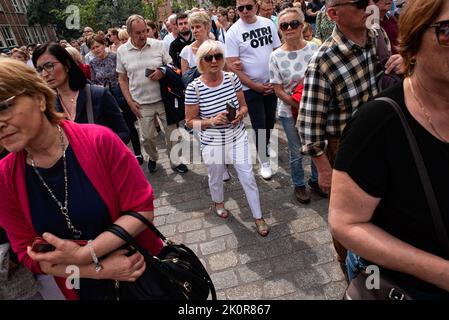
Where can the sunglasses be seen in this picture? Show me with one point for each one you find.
(294, 24)
(6, 104)
(248, 7)
(442, 32)
(359, 4)
(210, 57)
(48, 66)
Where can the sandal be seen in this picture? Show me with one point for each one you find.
(262, 227)
(221, 212)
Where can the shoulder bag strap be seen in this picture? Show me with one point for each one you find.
(197, 91)
(89, 109)
(231, 79)
(424, 176)
(147, 223)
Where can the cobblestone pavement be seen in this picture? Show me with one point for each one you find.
(295, 261)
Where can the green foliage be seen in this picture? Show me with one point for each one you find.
(98, 14)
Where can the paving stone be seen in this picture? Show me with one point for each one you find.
(255, 271)
(242, 239)
(252, 253)
(335, 290)
(311, 277)
(247, 292)
(168, 230)
(165, 210)
(190, 225)
(178, 217)
(319, 255)
(219, 231)
(280, 247)
(278, 286)
(223, 261)
(307, 223)
(159, 221)
(221, 295)
(323, 236)
(224, 280)
(290, 262)
(334, 271)
(308, 294)
(195, 236)
(214, 246)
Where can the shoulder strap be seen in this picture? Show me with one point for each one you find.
(231, 79)
(89, 109)
(197, 91)
(424, 176)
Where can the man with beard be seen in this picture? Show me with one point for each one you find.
(184, 38)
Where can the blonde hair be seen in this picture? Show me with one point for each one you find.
(292, 10)
(17, 78)
(76, 55)
(204, 49)
(200, 18)
(123, 35)
(22, 52)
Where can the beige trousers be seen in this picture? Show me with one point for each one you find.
(148, 129)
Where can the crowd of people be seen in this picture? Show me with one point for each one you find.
(68, 111)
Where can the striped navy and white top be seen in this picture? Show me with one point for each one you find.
(212, 101)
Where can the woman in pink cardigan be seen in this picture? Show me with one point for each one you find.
(65, 181)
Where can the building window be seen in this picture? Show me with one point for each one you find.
(1, 8)
(28, 37)
(2, 42)
(8, 35)
(17, 6)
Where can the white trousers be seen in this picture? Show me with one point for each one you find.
(216, 157)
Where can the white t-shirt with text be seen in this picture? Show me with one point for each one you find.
(253, 45)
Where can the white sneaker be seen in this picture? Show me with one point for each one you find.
(265, 170)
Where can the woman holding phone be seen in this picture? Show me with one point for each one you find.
(223, 137)
(66, 181)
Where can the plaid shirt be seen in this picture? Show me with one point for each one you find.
(340, 77)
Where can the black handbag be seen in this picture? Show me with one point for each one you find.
(175, 273)
(389, 287)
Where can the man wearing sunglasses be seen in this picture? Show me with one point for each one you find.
(339, 79)
(251, 40)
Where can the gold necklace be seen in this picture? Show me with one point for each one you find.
(426, 113)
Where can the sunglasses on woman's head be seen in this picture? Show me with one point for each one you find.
(210, 57)
(248, 7)
(359, 4)
(294, 24)
(442, 32)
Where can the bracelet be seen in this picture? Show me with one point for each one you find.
(98, 266)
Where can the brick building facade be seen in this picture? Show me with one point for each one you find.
(15, 29)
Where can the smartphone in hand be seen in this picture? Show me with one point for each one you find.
(232, 112)
(40, 245)
(148, 72)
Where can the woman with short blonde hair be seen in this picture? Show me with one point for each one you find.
(215, 106)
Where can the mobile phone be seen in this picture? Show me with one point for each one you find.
(231, 112)
(40, 245)
(148, 72)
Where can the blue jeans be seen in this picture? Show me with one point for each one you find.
(294, 153)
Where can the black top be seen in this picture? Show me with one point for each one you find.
(374, 151)
(315, 6)
(176, 47)
(87, 211)
(105, 109)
